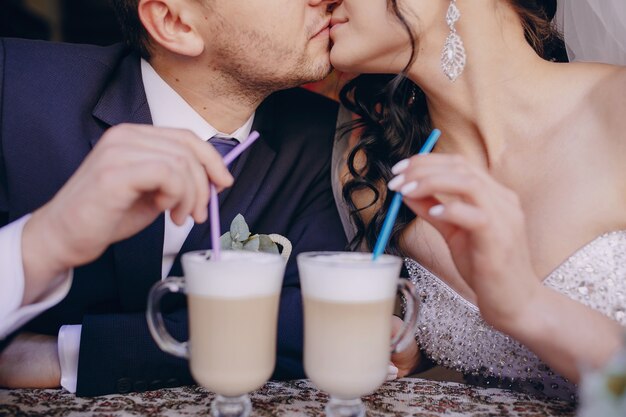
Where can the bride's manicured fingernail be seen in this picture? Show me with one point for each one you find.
(396, 182)
(407, 188)
(436, 211)
(392, 373)
(400, 167)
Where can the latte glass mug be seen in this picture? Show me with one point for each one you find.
(348, 301)
(233, 315)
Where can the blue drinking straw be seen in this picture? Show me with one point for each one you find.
(396, 202)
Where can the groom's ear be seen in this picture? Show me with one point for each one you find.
(173, 25)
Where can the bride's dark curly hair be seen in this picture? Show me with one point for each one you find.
(390, 129)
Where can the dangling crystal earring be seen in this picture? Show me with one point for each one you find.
(453, 56)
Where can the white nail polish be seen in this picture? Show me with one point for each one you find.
(407, 188)
(392, 373)
(396, 182)
(400, 167)
(437, 210)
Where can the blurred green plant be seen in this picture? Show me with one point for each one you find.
(603, 391)
(240, 238)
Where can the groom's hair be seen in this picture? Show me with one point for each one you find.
(134, 33)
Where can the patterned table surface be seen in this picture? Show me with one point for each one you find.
(406, 397)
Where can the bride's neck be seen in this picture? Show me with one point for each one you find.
(495, 95)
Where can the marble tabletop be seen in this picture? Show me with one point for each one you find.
(405, 397)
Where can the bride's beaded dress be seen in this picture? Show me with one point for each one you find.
(452, 333)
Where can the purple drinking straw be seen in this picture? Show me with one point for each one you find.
(214, 216)
(214, 208)
(238, 150)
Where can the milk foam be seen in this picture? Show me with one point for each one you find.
(349, 277)
(239, 274)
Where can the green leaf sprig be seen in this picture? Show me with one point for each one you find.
(240, 238)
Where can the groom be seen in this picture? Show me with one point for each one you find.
(217, 69)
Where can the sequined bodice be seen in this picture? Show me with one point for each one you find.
(453, 334)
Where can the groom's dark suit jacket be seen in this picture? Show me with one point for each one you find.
(56, 101)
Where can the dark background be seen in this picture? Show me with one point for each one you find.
(81, 21)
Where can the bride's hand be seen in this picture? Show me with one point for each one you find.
(407, 361)
(483, 225)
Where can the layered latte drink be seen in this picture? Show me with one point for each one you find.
(233, 315)
(348, 304)
(347, 313)
(233, 348)
(347, 344)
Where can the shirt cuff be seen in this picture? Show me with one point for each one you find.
(69, 347)
(12, 316)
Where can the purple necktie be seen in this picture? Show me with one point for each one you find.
(223, 145)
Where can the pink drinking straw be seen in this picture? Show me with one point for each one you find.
(214, 204)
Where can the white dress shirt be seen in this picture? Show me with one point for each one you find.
(12, 316)
(168, 109)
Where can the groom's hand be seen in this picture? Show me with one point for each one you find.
(133, 174)
(30, 361)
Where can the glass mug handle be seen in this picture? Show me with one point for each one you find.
(159, 332)
(406, 334)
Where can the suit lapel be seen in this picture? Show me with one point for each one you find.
(124, 99)
(249, 171)
(137, 259)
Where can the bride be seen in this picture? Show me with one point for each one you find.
(514, 228)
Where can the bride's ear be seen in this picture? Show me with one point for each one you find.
(171, 24)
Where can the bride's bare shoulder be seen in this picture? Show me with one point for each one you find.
(604, 88)
(607, 89)
(611, 102)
